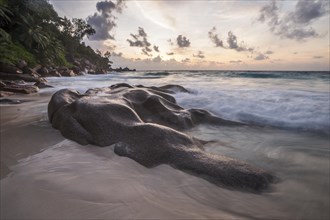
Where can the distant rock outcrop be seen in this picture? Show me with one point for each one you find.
(145, 124)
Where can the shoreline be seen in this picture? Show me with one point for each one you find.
(45, 169)
(18, 127)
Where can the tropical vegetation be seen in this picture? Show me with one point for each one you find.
(31, 30)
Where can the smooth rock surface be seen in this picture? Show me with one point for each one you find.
(145, 124)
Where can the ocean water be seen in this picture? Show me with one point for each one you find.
(290, 100)
(287, 133)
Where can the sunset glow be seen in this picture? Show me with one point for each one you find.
(251, 38)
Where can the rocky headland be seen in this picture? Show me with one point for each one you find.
(22, 79)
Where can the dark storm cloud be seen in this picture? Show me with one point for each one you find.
(261, 57)
(156, 48)
(170, 53)
(215, 38)
(200, 55)
(294, 25)
(103, 21)
(140, 40)
(182, 41)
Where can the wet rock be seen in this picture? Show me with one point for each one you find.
(43, 71)
(41, 85)
(25, 77)
(66, 72)
(100, 71)
(37, 67)
(9, 69)
(147, 126)
(54, 73)
(5, 94)
(91, 71)
(10, 101)
(76, 70)
(2, 84)
(19, 88)
(30, 71)
(21, 64)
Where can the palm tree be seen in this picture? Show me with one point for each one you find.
(31, 35)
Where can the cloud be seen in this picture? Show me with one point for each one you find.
(103, 21)
(295, 24)
(157, 59)
(317, 57)
(114, 54)
(308, 10)
(200, 55)
(269, 52)
(170, 42)
(236, 61)
(232, 42)
(186, 60)
(182, 41)
(140, 40)
(214, 38)
(215, 63)
(156, 48)
(261, 57)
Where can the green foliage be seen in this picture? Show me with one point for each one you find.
(33, 31)
(31, 35)
(13, 52)
(5, 14)
(97, 59)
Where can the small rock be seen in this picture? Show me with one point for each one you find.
(21, 64)
(55, 73)
(5, 94)
(67, 73)
(41, 85)
(10, 69)
(43, 71)
(17, 88)
(76, 70)
(10, 101)
(2, 84)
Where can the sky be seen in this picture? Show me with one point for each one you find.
(207, 35)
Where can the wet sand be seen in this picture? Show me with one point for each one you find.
(24, 130)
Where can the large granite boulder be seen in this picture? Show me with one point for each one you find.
(146, 124)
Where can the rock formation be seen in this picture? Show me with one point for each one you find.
(145, 124)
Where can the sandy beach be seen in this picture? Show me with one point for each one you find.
(45, 176)
(127, 109)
